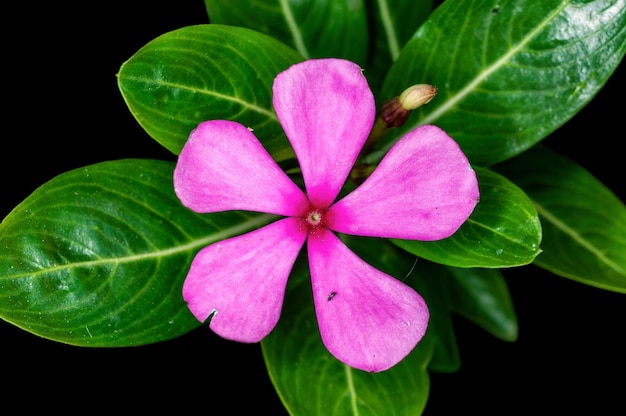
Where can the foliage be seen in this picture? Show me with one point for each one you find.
(97, 256)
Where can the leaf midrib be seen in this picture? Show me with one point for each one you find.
(240, 228)
(390, 33)
(246, 104)
(578, 238)
(472, 84)
(293, 28)
(351, 390)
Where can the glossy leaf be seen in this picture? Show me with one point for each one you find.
(434, 282)
(315, 28)
(509, 72)
(479, 295)
(97, 256)
(503, 231)
(482, 296)
(207, 72)
(310, 381)
(584, 223)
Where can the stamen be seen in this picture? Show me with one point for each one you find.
(314, 218)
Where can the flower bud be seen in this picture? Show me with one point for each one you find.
(395, 111)
(417, 95)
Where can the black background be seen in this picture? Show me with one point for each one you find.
(65, 111)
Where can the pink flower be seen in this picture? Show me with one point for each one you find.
(423, 189)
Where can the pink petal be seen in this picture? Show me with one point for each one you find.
(367, 319)
(224, 167)
(327, 110)
(423, 189)
(242, 280)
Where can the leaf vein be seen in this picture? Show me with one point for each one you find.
(293, 28)
(157, 254)
(483, 75)
(577, 237)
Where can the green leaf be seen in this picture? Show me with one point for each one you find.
(98, 255)
(207, 72)
(503, 231)
(482, 296)
(315, 28)
(310, 381)
(509, 72)
(479, 295)
(434, 282)
(584, 223)
(391, 25)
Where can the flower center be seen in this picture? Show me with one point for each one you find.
(314, 218)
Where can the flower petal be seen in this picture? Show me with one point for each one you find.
(241, 281)
(327, 111)
(423, 189)
(224, 167)
(367, 319)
